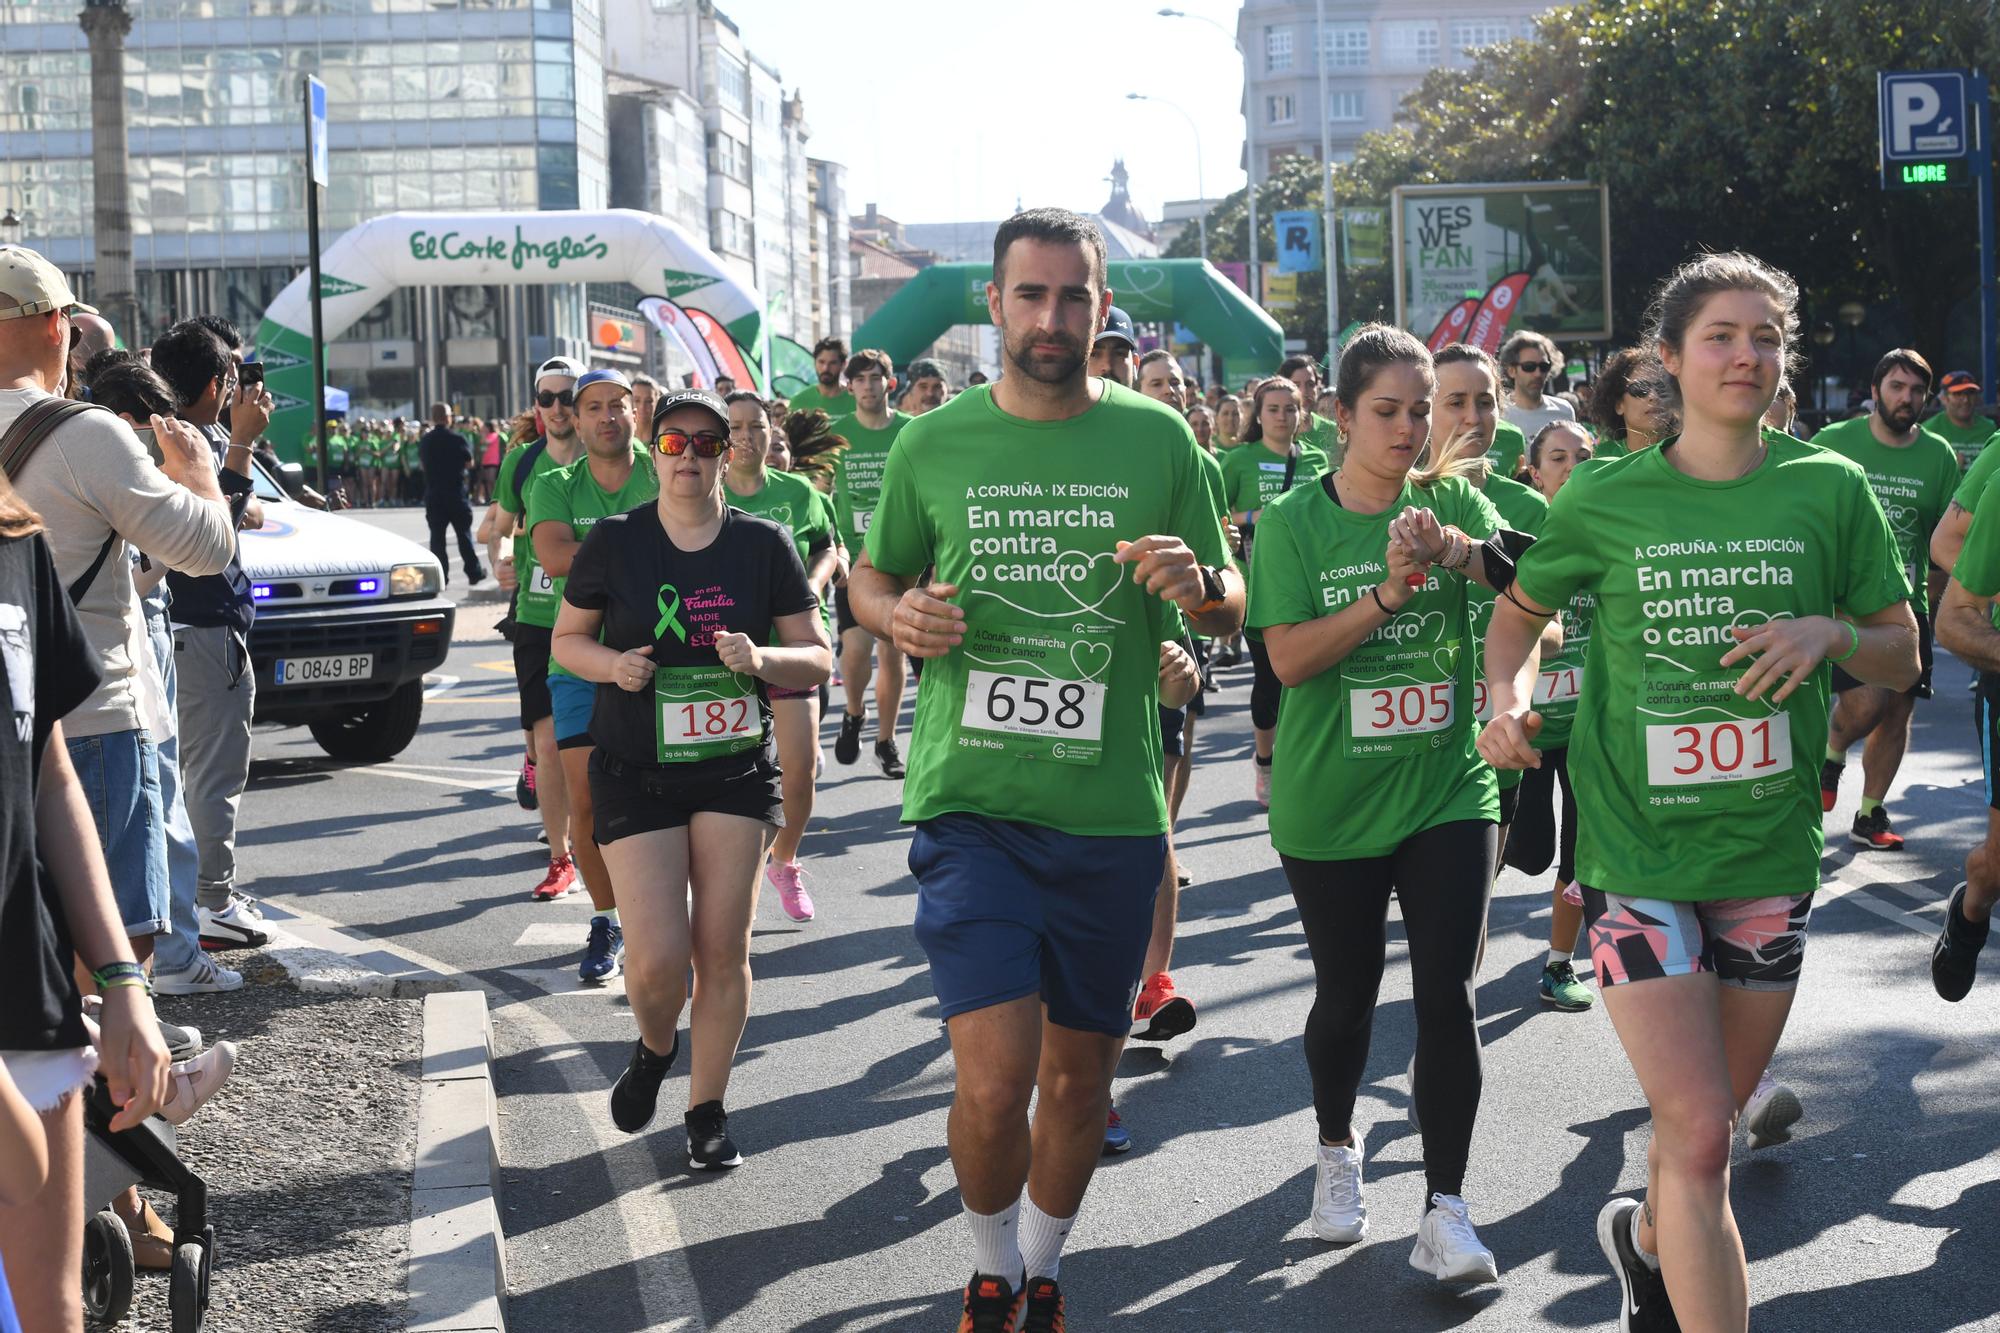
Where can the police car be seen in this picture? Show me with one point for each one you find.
(349, 618)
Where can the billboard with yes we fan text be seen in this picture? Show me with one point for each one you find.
(1487, 260)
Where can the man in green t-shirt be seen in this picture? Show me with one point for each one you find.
(1913, 473)
(563, 505)
(535, 602)
(1069, 529)
(1315, 429)
(857, 484)
(1966, 624)
(829, 359)
(1960, 421)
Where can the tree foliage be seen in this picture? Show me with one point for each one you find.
(1716, 124)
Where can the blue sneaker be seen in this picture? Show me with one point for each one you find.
(604, 956)
(1116, 1140)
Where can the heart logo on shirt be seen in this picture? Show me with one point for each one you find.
(1090, 659)
(1089, 586)
(1901, 517)
(780, 514)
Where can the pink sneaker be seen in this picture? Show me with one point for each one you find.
(558, 883)
(789, 881)
(1572, 895)
(196, 1080)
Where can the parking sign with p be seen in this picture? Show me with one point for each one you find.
(1925, 134)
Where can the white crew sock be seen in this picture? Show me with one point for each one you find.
(1042, 1239)
(1557, 956)
(1646, 1256)
(996, 1242)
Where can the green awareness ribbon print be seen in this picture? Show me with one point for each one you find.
(669, 614)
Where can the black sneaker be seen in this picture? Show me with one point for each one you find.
(887, 756)
(477, 574)
(1829, 783)
(183, 1041)
(1955, 957)
(1872, 830)
(709, 1146)
(1044, 1312)
(990, 1306)
(1646, 1308)
(636, 1094)
(847, 748)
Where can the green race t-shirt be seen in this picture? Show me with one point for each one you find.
(1046, 713)
(536, 598)
(336, 452)
(1323, 434)
(857, 473)
(413, 455)
(810, 397)
(1523, 510)
(794, 505)
(1968, 442)
(1254, 475)
(1379, 746)
(1969, 490)
(1914, 484)
(1978, 566)
(1689, 792)
(572, 495)
(1508, 447)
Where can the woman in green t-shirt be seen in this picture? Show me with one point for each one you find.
(1729, 567)
(1359, 587)
(1272, 461)
(1228, 422)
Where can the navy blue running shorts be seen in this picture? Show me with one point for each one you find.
(1006, 910)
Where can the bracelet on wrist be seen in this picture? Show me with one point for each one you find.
(1387, 610)
(126, 983)
(120, 973)
(1853, 640)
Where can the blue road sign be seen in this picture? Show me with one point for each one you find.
(1298, 241)
(316, 131)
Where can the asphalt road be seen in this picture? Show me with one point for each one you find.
(1880, 1214)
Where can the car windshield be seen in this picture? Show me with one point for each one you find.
(267, 487)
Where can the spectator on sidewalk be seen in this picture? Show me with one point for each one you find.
(446, 456)
(55, 894)
(217, 688)
(100, 497)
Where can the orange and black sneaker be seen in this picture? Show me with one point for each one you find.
(1045, 1307)
(990, 1306)
(1161, 1015)
(1872, 830)
(1829, 784)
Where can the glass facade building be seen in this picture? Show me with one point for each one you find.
(434, 104)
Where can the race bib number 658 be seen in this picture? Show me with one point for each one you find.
(1035, 693)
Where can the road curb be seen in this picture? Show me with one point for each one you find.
(458, 1256)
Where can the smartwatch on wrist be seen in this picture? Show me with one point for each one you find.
(1212, 592)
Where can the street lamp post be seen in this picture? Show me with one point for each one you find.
(1249, 144)
(1326, 187)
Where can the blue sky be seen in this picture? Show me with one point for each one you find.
(948, 109)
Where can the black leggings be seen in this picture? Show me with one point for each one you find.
(1532, 842)
(1264, 687)
(1442, 877)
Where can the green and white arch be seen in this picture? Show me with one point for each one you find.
(372, 260)
(1191, 291)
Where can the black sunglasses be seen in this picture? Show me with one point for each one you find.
(1639, 390)
(1532, 367)
(550, 397)
(705, 443)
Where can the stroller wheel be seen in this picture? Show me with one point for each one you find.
(187, 1289)
(108, 1269)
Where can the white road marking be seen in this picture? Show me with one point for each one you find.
(1859, 886)
(551, 935)
(434, 685)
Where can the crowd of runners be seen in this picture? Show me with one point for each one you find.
(1610, 635)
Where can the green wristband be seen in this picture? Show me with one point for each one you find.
(1853, 641)
(120, 974)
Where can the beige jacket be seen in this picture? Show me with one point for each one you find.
(92, 478)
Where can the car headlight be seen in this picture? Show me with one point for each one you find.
(415, 580)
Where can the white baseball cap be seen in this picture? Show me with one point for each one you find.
(31, 285)
(559, 365)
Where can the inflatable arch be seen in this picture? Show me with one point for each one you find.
(370, 261)
(1190, 291)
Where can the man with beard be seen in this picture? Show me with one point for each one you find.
(1914, 473)
(829, 359)
(1959, 420)
(1069, 528)
(926, 389)
(536, 600)
(870, 432)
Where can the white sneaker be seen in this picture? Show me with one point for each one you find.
(1339, 1212)
(231, 928)
(1447, 1246)
(1261, 787)
(202, 977)
(1773, 1109)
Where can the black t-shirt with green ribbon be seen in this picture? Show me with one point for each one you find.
(699, 717)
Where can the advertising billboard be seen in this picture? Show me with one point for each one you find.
(1531, 255)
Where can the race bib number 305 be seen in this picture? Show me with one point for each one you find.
(1400, 700)
(1035, 693)
(706, 712)
(1708, 747)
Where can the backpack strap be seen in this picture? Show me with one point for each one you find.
(526, 469)
(33, 426)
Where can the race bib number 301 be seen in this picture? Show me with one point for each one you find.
(1708, 747)
(706, 712)
(1035, 692)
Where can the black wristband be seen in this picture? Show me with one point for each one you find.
(1376, 593)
